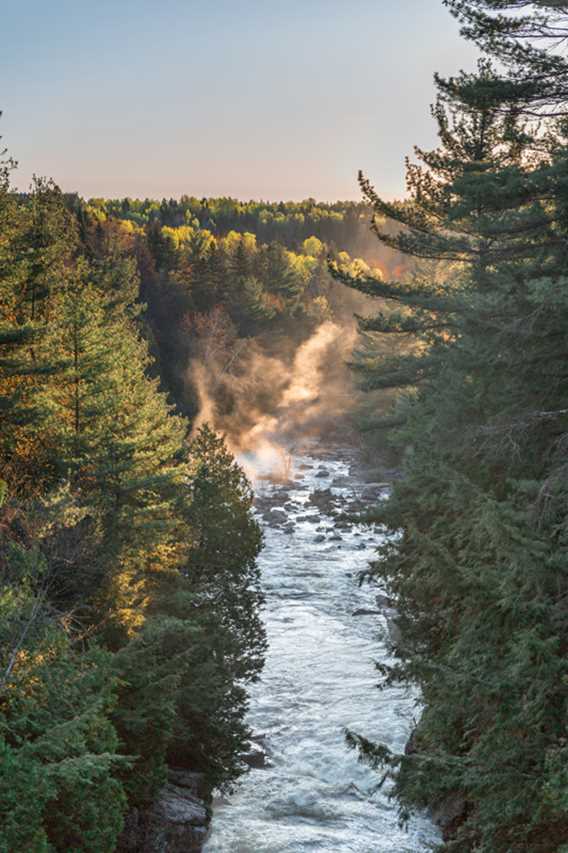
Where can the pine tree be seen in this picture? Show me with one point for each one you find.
(223, 585)
(128, 628)
(34, 263)
(478, 574)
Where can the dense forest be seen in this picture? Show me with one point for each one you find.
(136, 339)
(342, 225)
(130, 601)
(478, 565)
(225, 312)
(130, 593)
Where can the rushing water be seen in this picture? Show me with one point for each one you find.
(319, 679)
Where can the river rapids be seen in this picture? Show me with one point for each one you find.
(319, 680)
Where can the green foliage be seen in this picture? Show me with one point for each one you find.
(223, 587)
(59, 786)
(128, 628)
(477, 562)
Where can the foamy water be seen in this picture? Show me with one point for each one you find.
(319, 680)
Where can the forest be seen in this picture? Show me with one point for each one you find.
(123, 588)
(142, 340)
(478, 567)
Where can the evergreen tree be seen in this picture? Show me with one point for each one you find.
(127, 631)
(223, 585)
(478, 574)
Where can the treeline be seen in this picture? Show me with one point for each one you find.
(478, 566)
(129, 596)
(341, 225)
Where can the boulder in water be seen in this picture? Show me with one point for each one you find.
(275, 516)
(255, 756)
(342, 482)
(324, 499)
(323, 472)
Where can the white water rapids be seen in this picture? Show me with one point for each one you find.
(319, 679)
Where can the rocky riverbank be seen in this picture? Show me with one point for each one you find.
(177, 822)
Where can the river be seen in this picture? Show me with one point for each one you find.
(319, 679)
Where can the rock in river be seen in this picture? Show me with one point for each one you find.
(255, 756)
(276, 516)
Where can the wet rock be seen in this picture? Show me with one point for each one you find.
(364, 611)
(342, 482)
(264, 503)
(337, 537)
(305, 467)
(354, 507)
(288, 529)
(319, 538)
(255, 757)
(194, 782)
(383, 600)
(276, 516)
(324, 499)
(259, 737)
(360, 546)
(177, 822)
(323, 472)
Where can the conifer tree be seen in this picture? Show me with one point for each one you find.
(478, 572)
(115, 631)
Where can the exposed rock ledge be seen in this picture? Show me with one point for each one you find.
(178, 821)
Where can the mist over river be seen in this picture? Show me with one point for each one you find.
(319, 679)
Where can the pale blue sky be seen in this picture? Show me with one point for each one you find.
(250, 98)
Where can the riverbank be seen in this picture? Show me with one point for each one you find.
(177, 822)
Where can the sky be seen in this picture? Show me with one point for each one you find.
(265, 99)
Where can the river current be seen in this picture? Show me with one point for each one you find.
(319, 679)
